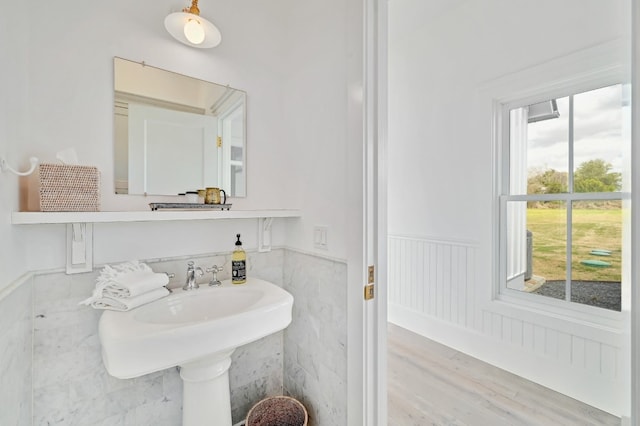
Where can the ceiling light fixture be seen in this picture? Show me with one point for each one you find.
(190, 28)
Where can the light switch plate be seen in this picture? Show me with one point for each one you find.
(320, 237)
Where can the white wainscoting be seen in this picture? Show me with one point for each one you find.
(432, 291)
(433, 277)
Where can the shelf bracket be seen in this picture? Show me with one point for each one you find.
(264, 234)
(79, 247)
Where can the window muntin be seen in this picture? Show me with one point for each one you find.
(562, 199)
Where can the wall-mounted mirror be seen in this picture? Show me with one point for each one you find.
(175, 133)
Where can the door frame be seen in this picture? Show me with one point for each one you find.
(635, 213)
(375, 189)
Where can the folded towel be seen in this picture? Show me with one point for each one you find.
(126, 304)
(127, 285)
(128, 280)
(133, 284)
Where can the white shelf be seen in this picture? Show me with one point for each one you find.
(32, 218)
(80, 226)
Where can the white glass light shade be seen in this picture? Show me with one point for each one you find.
(194, 31)
(180, 24)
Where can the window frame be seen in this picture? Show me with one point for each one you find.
(501, 108)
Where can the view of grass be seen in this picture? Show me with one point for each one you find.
(593, 228)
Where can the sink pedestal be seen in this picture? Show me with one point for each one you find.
(206, 399)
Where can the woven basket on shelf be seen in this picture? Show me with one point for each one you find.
(278, 411)
(67, 188)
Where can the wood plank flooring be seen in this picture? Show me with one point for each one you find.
(431, 384)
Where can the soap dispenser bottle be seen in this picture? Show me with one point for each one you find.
(238, 263)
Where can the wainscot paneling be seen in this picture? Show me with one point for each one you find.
(433, 290)
(432, 277)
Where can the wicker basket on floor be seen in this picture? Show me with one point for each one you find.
(278, 411)
(67, 188)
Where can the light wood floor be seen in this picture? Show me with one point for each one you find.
(431, 384)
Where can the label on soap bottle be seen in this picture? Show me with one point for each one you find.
(238, 271)
(238, 264)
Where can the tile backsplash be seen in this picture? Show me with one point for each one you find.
(315, 344)
(15, 355)
(71, 386)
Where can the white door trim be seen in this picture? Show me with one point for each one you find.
(356, 214)
(635, 217)
(375, 311)
(382, 206)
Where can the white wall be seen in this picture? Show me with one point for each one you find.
(440, 178)
(435, 68)
(57, 92)
(13, 138)
(317, 79)
(300, 64)
(289, 57)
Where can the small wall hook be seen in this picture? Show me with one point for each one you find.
(5, 167)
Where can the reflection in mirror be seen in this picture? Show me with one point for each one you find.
(175, 133)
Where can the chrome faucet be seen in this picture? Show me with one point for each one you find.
(191, 283)
(214, 279)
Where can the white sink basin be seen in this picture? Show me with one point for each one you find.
(188, 326)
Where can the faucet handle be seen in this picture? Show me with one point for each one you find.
(169, 275)
(214, 279)
(192, 271)
(196, 269)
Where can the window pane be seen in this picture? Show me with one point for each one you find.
(596, 270)
(537, 247)
(547, 222)
(539, 148)
(573, 145)
(518, 250)
(598, 140)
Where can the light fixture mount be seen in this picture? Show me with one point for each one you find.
(190, 28)
(193, 9)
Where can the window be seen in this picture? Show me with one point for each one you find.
(562, 199)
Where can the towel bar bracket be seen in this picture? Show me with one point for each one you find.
(79, 248)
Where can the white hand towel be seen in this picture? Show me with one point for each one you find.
(131, 284)
(126, 304)
(127, 285)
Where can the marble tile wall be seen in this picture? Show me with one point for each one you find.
(15, 355)
(71, 386)
(315, 344)
(44, 330)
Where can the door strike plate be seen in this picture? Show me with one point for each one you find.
(369, 292)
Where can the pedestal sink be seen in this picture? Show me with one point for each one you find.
(197, 330)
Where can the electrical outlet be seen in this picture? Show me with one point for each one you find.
(320, 237)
